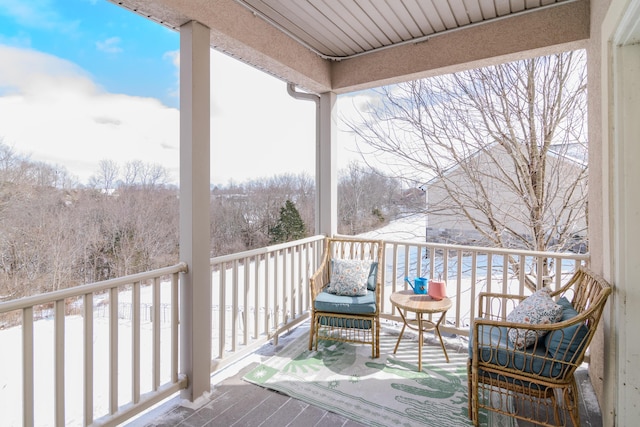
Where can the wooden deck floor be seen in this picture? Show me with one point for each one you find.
(234, 402)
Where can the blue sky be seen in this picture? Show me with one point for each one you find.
(85, 80)
(101, 38)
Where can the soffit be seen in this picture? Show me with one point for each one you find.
(343, 29)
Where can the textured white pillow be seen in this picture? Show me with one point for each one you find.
(537, 309)
(349, 277)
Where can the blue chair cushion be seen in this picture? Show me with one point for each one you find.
(495, 348)
(332, 303)
(564, 344)
(371, 280)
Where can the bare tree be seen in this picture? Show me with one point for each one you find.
(11, 169)
(365, 199)
(500, 148)
(132, 170)
(106, 177)
(242, 215)
(145, 175)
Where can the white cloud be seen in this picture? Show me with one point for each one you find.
(258, 130)
(110, 45)
(350, 110)
(174, 57)
(39, 14)
(35, 74)
(20, 39)
(53, 111)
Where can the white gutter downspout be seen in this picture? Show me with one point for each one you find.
(291, 89)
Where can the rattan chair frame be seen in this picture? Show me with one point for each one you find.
(327, 325)
(540, 399)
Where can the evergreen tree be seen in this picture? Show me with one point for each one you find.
(290, 225)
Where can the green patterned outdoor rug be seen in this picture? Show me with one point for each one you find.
(387, 391)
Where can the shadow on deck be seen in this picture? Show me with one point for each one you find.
(235, 402)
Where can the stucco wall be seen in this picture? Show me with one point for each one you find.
(598, 196)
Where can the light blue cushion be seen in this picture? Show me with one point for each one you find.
(365, 304)
(565, 343)
(496, 348)
(371, 281)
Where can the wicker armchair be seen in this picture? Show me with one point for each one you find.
(535, 383)
(337, 315)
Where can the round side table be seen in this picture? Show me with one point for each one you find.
(408, 301)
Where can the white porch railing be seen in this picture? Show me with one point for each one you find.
(469, 270)
(266, 291)
(129, 323)
(88, 370)
(258, 294)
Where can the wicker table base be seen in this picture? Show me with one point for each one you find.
(408, 301)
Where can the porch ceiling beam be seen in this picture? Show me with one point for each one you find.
(238, 32)
(540, 32)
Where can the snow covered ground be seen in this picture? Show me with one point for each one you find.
(11, 364)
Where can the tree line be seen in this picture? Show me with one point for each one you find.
(56, 233)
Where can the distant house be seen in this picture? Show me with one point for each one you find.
(458, 201)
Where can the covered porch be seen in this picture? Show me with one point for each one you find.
(331, 59)
(210, 324)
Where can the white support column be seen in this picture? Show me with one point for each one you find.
(626, 220)
(195, 130)
(621, 107)
(327, 167)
